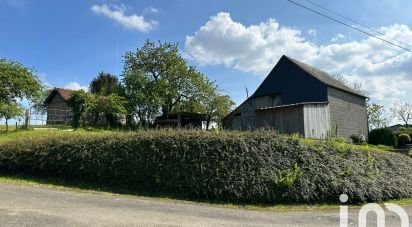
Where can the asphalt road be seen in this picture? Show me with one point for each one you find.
(33, 206)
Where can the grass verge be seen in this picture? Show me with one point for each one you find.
(83, 187)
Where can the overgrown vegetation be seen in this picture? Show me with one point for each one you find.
(241, 167)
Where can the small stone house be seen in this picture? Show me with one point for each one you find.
(58, 112)
(298, 98)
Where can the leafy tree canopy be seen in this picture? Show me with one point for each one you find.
(157, 79)
(105, 84)
(10, 110)
(17, 82)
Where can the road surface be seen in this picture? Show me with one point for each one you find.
(35, 206)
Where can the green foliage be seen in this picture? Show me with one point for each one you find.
(79, 102)
(105, 84)
(112, 106)
(9, 111)
(17, 82)
(358, 139)
(158, 80)
(402, 129)
(383, 136)
(252, 167)
(38, 103)
(285, 178)
(404, 139)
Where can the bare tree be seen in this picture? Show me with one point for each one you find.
(402, 111)
(377, 116)
(354, 85)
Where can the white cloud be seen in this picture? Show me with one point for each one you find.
(75, 86)
(382, 68)
(151, 9)
(117, 13)
(338, 37)
(252, 49)
(312, 32)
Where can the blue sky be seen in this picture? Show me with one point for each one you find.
(233, 42)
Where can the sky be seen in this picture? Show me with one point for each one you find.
(235, 43)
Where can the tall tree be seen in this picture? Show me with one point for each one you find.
(10, 110)
(402, 111)
(157, 79)
(376, 116)
(105, 84)
(207, 99)
(142, 94)
(165, 71)
(17, 82)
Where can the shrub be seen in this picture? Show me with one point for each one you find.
(358, 139)
(252, 167)
(404, 139)
(383, 136)
(402, 129)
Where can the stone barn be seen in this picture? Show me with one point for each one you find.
(58, 112)
(298, 98)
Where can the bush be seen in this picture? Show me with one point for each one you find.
(383, 136)
(358, 139)
(404, 139)
(402, 129)
(251, 167)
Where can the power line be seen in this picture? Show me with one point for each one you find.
(351, 20)
(350, 26)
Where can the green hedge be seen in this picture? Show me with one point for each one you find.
(251, 167)
(383, 136)
(404, 139)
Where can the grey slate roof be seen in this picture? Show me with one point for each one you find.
(323, 76)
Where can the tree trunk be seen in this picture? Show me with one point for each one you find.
(7, 125)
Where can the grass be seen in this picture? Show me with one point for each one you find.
(34, 134)
(83, 187)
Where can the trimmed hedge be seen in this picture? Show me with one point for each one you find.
(383, 136)
(251, 167)
(404, 139)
